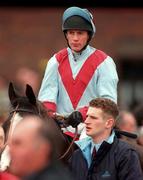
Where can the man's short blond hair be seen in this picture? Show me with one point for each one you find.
(108, 106)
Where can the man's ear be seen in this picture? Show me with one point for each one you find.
(110, 123)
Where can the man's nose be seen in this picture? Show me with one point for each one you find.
(86, 120)
(75, 37)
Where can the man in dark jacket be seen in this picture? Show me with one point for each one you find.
(114, 159)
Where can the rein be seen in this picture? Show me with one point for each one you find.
(61, 118)
(69, 148)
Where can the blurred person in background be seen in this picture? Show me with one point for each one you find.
(32, 151)
(79, 72)
(4, 100)
(140, 138)
(26, 75)
(138, 113)
(126, 121)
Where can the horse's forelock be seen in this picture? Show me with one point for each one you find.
(22, 104)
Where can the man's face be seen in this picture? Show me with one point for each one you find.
(77, 39)
(27, 155)
(96, 123)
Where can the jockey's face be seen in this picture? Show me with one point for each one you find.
(77, 39)
(28, 152)
(98, 124)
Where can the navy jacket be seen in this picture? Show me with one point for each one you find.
(116, 161)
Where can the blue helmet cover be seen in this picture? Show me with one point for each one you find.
(84, 13)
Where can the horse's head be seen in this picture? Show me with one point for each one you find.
(26, 104)
(22, 105)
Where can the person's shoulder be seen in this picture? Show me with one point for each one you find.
(57, 57)
(61, 52)
(57, 170)
(102, 54)
(124, 146)
(98, 51)
(61, 55)
(99, 55)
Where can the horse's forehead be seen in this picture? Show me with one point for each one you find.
(16, 118)
(21, 101)
(22, 104)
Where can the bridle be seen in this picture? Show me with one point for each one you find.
(38, 112)
(22, 110)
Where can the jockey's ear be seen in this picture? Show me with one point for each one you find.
(30, 94)
(11, 92)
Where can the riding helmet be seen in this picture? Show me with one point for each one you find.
(78, 18)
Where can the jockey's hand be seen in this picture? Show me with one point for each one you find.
(74, 119)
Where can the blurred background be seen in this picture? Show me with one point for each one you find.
(30, 33)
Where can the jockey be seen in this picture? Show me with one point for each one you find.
(80, 72)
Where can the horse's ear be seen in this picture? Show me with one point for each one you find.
(30, 94)
(11, 92)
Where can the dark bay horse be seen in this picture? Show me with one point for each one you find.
(28, 104)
